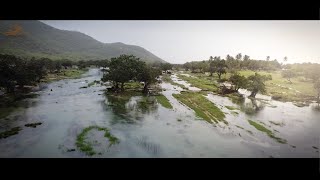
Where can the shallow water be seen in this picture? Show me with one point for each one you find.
(146, 129)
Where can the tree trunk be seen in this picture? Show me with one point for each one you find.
(116, 86)
(253, 94)
(145, 88)
(122, 86)
(219, 75)
(10, 89)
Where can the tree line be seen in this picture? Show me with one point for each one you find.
(255, 83)
(232, 64)
(19, 72)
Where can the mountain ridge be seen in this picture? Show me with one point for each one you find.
(32, 38)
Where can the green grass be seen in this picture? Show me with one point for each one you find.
(202, 106)
(164, 101)
(10, 132)
(166, 78)
(231, 108)
(283, 92)
(86, 147)
(267, 131)
(64, 74)
(132, 85)
(205, 83)
(234, 113)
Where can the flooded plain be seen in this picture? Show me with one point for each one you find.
(144, 128)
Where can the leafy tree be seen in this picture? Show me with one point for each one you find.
(147, 75)
(256, 83)
(187, 66)
(246, 58)
(8, 72)
(238, 57)
(211, 66)
(165, 66)
(238, 81)
(122, 69)
(268, 58)
(219, 66)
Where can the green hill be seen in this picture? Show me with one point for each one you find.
(34, 38)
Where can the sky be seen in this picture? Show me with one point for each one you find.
(182, 41)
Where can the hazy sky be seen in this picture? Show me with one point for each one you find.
(182, 41)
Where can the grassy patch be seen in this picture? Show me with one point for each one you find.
(201, 82)
(86, 147)
(33, 125)
(164, 101)
(231, 108)
(10, 132)
(64, 74)
(202, 106)
(234, 113)
(133, 85)
(267, 131)
(280, 89)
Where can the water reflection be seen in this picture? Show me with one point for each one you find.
(129, 107)
(251, 106)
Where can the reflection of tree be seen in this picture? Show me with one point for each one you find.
(147, 104)
(118, 104)
(130, 106)
(252, 107)
(316, 106)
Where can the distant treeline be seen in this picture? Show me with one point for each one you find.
(19, 71)
(238, 62)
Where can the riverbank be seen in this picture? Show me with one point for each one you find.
(11, 101)
(64, 74)
(300, 92)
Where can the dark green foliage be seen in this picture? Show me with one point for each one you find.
(10, 132)
(86, 147)
(129, 68)
(238, 81)
(256, 83)
(267, 131)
